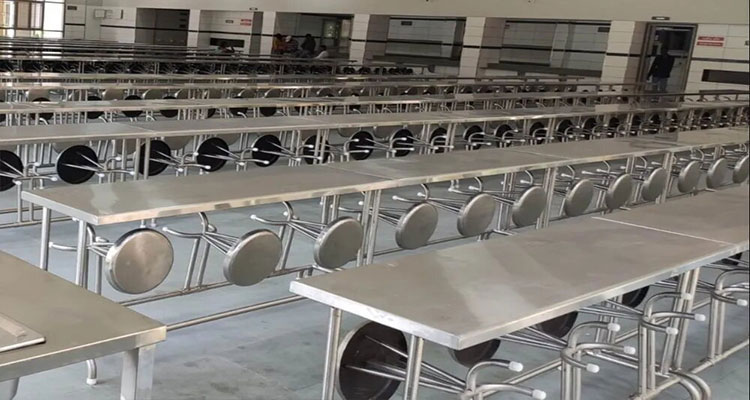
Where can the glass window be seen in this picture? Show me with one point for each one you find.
(32, 18)
(54, 13)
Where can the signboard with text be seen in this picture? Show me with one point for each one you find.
(712, 41)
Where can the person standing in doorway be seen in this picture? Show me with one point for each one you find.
(660, 70)
(308, 46)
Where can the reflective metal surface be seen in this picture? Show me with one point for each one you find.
(451, 297)
(253, 258)
(58, 309)
(136, 200)
(139, 261)
(721, 216)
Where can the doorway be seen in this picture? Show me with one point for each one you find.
(678, 41)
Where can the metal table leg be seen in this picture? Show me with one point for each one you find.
(332, 350)
(413, 368)
(44, 246)
(137, 373)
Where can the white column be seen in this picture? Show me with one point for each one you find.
(267, 31)
(623, 51)
(194, 28)
(369, 34)
(482, 40)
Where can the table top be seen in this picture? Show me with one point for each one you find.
(466, 295)
(722, 216)
(109, 203)
(294, 85)
(19, 135)
(101, 204)
(415, 170)
(77, 324)
(589, 151)
(706, 137)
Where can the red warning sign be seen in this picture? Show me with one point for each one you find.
(713, 41)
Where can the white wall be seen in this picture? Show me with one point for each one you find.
(623, 51)
(729, 57)
(558, 44)
(118, 29)
(411, 39)
(225, 25)
(716, 11)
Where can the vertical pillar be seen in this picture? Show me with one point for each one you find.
(624, 47)
(194, 28)
(482, 40)
(368, 38)
(267, 31)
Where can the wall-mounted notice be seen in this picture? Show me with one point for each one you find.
(246, 22)
(712, 41)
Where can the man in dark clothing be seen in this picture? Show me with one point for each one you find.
(660, 70)
(308, 46)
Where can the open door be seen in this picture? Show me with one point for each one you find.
(678, 41)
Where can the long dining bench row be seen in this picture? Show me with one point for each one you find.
(144, 149)
(258, 255)
(169, 107)
(500, 289)
(80, 91)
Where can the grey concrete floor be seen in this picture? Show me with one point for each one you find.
(278, 353)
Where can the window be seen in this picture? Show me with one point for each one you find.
(32, 18)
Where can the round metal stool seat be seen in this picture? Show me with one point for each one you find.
(44, 116)
(71, 159)
(177, 142)
(527, 209)
(133, 113)
(11, 164)
(578, 198)
(252, 258)
(361, 348)
(308, 150)
(338, 243)
(562, 129)
(505, 132)
(159, 151)
(476, 215)
(113, 94)
(153, 94)
(93, 114)
(741, 170)
(439, 139)
(559, 326)
(361, 145)
(263, 149)
(416, 226)
(402, 140)
(619, 192)
(269, 94)
(473, 355)
(653, 186)
(210, 154)
(635, 298)
(474, 136)
(169, 113)
(717, 173)
(538, 132)
(689, 176)
(139, 261)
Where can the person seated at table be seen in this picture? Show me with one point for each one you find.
(277, 46)
(291, 46)
(224, 48)
(323, 52)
